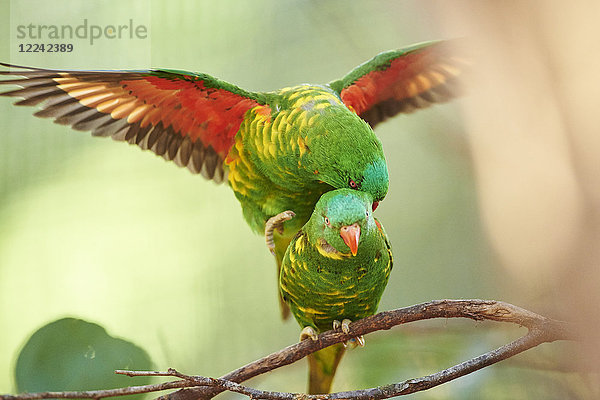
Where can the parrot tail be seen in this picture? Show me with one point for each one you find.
(322, 366)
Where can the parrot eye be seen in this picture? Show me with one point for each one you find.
(367, 212)
(327, 221)
(352, 184)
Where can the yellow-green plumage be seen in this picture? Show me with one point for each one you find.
(307, 143)
(322, 281)
(282, 155)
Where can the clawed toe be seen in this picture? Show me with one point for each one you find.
(360, 340)
(345, 327)
(273, 223)
(308, 332)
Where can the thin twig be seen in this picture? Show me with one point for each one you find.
(99, 394)
(541, 330)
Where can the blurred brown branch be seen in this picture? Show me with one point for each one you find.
(540, 330)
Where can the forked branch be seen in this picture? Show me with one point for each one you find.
(540, 330)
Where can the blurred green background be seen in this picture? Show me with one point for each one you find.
(99, 230)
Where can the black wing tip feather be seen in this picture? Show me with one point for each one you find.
(35, 72)
(7, 65)
(36, 88)
(168, 144)
(450, 90)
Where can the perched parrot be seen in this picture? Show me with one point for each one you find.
(333, 272)
(279, 150)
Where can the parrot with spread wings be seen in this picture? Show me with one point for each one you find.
(277, 150)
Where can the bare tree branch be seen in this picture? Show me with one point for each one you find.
(474, 309)
(541, 330)
(98, 394)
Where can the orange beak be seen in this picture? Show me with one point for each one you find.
(351, 236)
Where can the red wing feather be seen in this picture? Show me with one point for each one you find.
(403, 81)
(190, 119)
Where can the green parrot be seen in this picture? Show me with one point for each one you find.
(278, 150)
(333, 272)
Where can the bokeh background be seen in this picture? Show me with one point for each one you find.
(493, 196)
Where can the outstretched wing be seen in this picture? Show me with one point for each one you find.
(188, 118)
(403, 80)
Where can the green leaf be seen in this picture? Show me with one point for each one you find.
(72, 354)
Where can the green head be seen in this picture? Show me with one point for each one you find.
(339, 218)
(347, 154)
